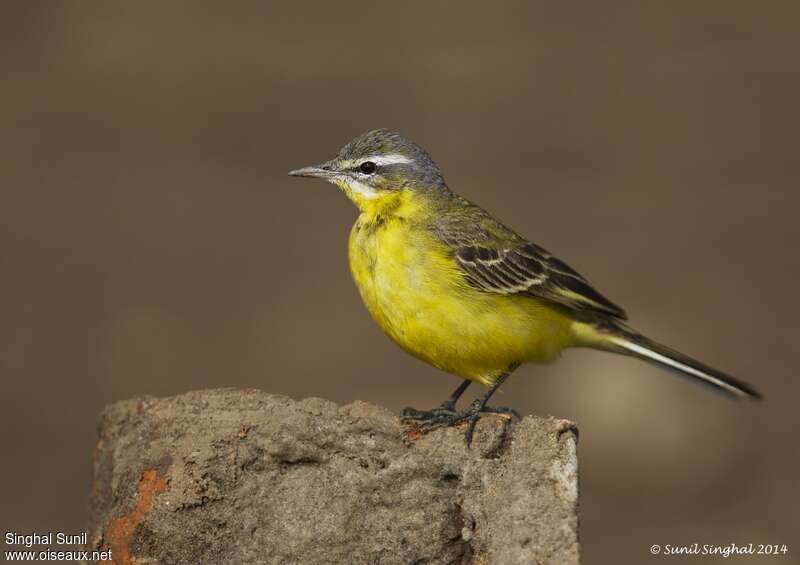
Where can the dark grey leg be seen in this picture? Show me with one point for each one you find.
(442, 413)
(450, 403)
(446, 414)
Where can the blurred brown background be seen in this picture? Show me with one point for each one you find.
(151, 242)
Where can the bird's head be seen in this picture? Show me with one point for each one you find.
(376, 166)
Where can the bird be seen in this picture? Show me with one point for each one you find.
(455, 287)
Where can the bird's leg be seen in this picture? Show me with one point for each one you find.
(445, 413)
(450, 403)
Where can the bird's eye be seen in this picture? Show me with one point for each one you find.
(367, 167)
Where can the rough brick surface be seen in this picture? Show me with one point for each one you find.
(240, 476)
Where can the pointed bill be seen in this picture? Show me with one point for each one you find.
(317, 171)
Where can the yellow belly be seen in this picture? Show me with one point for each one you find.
(416, 294)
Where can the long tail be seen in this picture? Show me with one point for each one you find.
(621, 339)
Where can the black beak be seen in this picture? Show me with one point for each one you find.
(323, 171)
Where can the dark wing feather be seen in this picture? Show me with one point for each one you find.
(530, 270)
(496, 259)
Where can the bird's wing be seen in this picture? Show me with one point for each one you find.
(494, 258)
(530, 270)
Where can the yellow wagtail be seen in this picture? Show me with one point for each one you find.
(455, 287)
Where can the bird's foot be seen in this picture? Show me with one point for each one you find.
(446, 415)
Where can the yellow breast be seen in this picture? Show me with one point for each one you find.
(414, 290)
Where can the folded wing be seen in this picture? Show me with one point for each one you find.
(530, 270)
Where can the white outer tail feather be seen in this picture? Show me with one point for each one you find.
(645, 353)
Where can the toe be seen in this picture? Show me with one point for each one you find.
(471, 423)
(412, 413)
